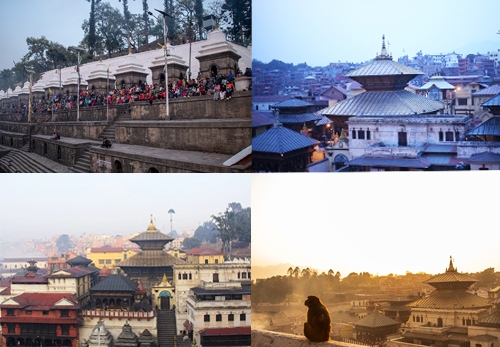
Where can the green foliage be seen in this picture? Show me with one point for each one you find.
(190, 243)
(233, 224)
(236, 21)
(205, 232)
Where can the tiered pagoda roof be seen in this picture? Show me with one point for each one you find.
(451, 292)
(152, 243)
(280, 140)
(384, 81)
(376, 320)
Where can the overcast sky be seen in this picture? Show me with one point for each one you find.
(39, 206)
(323, 31)
(58, 20)
(376, 222)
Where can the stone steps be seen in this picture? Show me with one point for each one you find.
(166, 328)
(17, 161)
(82, 164)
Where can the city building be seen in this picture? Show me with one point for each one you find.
(108, 256)
(40, 319)
(214, 300)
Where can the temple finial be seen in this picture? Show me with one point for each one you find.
(383, 54)
(451, 268)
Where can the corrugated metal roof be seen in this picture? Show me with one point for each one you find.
(376, 320)
(324, 120)
(415, 163)
(262, 119)
(489, 127)
(494, 101)
(151, 258)
(115, 283)
(441, 159)
(281, 140)
(437, 81)
(399, 102)
(440, 148)
(292, 103)
(493, 318)
(485, 157)
(451, 299)
(384, 68)
(288, 118)
(491, 90)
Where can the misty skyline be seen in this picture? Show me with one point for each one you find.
(320, 32)
(39, 206)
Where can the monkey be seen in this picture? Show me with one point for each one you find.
(318, 325)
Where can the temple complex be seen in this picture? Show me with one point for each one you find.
(393, 129)
(152, 263)
(187, 133)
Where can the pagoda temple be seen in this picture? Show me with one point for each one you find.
(449, 308)
(152, 262)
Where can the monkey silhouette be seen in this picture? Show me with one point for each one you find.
(318, 325)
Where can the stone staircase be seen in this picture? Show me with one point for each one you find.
(18, 161)
(167, 330)
(109, 132)
(26, 148)
(82, 164)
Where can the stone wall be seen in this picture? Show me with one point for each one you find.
(196, 107)
(58, 151)
(13, 140)
(217, 136)
(262, 338)
(87, 114)
(106, 161)
(79, 130)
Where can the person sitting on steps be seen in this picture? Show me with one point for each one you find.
(106, 143)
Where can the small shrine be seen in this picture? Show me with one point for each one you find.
(100, 337)
(218, 57)
(127, 337)
(176, 67)
(101, 79)
(130, 73)
(163, 294)
(146, 339)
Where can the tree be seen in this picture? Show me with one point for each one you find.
(146, 20)
(205, 232)
(233, 224)
(63, 243)
(486, 278)
(6, 79)
(191, 242)
(127, 16)
(109, 33)
(91, 41)
(237, 15)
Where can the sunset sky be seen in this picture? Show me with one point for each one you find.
(376, 222)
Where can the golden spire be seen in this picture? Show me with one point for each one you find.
(151, 227)
(450, 267)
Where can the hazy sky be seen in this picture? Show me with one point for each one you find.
(376, 222)
(323, 31)
(58, 20)
(39, 206)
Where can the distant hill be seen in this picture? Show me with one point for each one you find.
(260, 272)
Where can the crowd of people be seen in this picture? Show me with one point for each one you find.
(220, 86)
